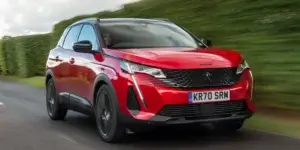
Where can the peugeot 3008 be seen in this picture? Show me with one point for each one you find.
(129, 72)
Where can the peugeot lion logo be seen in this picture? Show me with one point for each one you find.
(208, 76)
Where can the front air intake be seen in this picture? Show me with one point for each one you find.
(132, 101)
(204, 109)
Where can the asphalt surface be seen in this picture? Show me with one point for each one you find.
(24, 125)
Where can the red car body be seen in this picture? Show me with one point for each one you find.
(78, 76)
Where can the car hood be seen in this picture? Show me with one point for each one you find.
(179, 58)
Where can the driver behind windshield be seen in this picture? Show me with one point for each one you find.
(107, 40)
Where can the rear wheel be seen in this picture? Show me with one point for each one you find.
(55, 110)
(228, 126)
(109, 125)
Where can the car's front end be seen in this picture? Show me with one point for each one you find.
(175, 96)
(168, 76)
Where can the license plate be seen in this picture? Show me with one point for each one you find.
(209, 96)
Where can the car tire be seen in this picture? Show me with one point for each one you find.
(228, 127)
(110, 127)
(55, 110)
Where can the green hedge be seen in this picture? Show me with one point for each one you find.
(265, 32)
(3, 69)
(10, 55)
(25, 55)
(31, 54)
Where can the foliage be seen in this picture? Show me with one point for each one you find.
(284, 126)
(265, 32)
(31, 53)
(25, 55)
(3, 69)
(9, 55)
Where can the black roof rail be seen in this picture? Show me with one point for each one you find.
(91, 20)
(97, 20)
(163, 19)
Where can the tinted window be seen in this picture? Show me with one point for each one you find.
(88, 33)
(145, 34)
(72, 37)
(62, 38)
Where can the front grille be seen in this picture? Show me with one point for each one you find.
(199, 78)
(204, 109)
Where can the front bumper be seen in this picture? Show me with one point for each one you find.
(156, 97)
(163, 120)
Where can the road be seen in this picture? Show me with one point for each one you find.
(24, 125)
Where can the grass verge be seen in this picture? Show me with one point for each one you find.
(38, 81)
(260, 121)
(275, 125)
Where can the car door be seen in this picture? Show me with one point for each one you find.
(83, 62)
(67, 74)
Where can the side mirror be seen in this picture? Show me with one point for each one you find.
(83, 46)
(207, 42)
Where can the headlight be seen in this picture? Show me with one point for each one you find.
(134, 68)
(243, 66)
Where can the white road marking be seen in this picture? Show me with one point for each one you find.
(69, 139)
(2, 105)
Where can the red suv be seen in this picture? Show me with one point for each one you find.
(131, 73)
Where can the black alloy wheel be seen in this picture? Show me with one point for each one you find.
(105, 119)
(109, 126)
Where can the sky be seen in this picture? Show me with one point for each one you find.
(22, 17)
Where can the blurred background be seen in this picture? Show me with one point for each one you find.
(266, 32)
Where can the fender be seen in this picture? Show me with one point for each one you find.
(104, 79)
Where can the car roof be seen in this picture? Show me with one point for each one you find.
(130, 19)
(99, 20)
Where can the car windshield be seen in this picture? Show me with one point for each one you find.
(145, 34)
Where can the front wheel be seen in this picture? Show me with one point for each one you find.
(109, 125)
(228, 126)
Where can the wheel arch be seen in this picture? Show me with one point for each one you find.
(49, 75)
(103, 79)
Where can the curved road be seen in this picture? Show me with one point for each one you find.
(24, 125)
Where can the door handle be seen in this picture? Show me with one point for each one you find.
(72, 60)
(56, 59)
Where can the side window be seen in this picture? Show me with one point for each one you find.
(62, 38)
(88, 33)
(72, 37)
